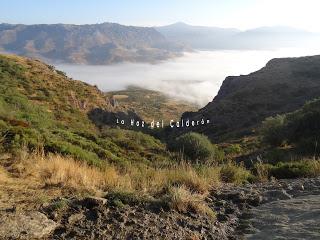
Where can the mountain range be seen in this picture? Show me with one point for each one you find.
(214, 38)
(87, 44)
(108, 43)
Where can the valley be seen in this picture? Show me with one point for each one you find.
(153, 120)
(78, 169)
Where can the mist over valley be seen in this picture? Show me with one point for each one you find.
(196, 77)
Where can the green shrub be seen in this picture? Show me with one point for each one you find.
(120, 198)
(233, 149)
(14, 138)
(284, 170)
(272, 130)
(276, 155)
(65, 148)
(293, 170)
(232, 173)
(196, 147)
(300, 129)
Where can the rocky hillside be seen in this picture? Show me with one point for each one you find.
(87, 44)
(283, 85)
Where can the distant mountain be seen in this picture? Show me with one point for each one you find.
(212, 38)
(87, 44)
(108, 43)
(283, 85)
(198, 37)
(275, 37)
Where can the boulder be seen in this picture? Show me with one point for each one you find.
(25, 225)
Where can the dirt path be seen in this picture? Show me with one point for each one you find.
(288, 219)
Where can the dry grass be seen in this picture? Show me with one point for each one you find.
(234, 174)
(184, 186)
(150, 180)
(3, 175)
(183, 200)
(55, 170)
(262, 172)
(315, 166)
(187, 176)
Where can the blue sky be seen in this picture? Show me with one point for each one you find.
(241, 14)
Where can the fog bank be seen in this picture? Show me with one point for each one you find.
(195, 77)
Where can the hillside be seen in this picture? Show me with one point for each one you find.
(59, 156)
(151, 105)
(87, 44)
(66, 173)
(283, 85)
(41, 108)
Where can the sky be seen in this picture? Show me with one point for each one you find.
(242, 14)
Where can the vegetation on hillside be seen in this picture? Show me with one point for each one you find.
(48, 139)
(243, 102)
(42, 108)
(151, 105)
(299, 129)
(291, 142)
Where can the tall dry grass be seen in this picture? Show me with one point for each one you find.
(55, 170)
(183, 200)
(183, 186)
(3, 175)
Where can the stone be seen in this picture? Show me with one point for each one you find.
(25, 225)
(94, 201)
(274, 195)
(75, 217)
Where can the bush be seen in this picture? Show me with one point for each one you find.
(196, 147)
(272, 130)
(233, 149)
(232, 173)
(300, 129)
(14, 138)
(287, 170)
(67, 149)
(296, 169)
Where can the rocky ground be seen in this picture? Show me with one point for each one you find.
(98, 218)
